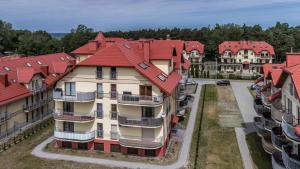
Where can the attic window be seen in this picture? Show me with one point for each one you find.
(28, 64)
(143, 65)
(62, 58)
(6, 68)
(126, 46)
(54, 75)
(39, 62)
(162, 77)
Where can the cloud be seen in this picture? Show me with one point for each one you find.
(62, 15)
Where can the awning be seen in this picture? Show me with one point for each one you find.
(260, 79)
(274, 96)
(265, 87)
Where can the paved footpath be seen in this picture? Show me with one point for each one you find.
(181, 162)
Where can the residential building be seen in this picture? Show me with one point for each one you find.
(244, 57)
(282, 122)
(124, 97)
(26, 90)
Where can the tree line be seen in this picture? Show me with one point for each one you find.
(282, 36)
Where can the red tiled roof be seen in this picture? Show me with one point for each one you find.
(123, 55)
(186, 65)
(256, 46)
(274, 96)
(194, 45)
(21, 70)
(60, 67)
(292, 59)
(275, 74)
(268, 67)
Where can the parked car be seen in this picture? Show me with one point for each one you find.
(223, 82)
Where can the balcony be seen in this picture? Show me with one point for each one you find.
(268, 122)
(288, 128)
(267, 144)
(264, 98)
(278, 138)
(138, 142)
(277, 111)
(143, 122)
(291, 161)
(258, 124)
(74, 136)
(181, 94)
(36, 105)
(277, 162)
(79, 97)
(74, 116)
(139, 100)
(259, 107)
(180, 111)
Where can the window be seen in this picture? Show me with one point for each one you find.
(113, 132)
(132, 151)
(99, 90)
(150, 153)
(298, 115)
(291, 89)
(161, 77)
(99, 110)
(100, 130)
(70, 89)
(68, 108)
(82, 146)
(99, 72)
(290, 106)
(99, 146)
(114, 114)
(115, 148)
(68, 126)
(66, 144)
(113, 73)
(28, 64)
(113, 91)
(6, 68)
(147, 112)
(39, 62)
(143, 65)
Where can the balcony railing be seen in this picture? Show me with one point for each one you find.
(291, 161)
(278, 138)
(139, 99)
(264, 98)
(79, 96)
(258, 124)
(36, 104)
(267, 144)
(277, 111)
(181, 94)
(259, 107)
(268, 122)
(138, 142)
(288, 129)
(73, 116)
(39, 89)
(277, 162)
(114, 135)
(76, 136)
(144, 122)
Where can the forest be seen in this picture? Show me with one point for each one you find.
(282, 36)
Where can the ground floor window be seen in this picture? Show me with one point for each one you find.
(82, 146)
(150, 153)
(99, 146)
(66, 144)
(115, 148)
(132, 151)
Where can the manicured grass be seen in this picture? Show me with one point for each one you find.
(213, 146)
(260, 158)
(19, 157)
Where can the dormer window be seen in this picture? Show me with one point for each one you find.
(28, 64)
(62, 58)
(162, 76)
(39, 62)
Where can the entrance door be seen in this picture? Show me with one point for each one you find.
(148, 134)
(147, 112)
(68, 108)
(145, 92)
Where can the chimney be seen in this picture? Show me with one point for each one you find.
(4, 80)
(45, 69)
(147, 51)
(93, 45)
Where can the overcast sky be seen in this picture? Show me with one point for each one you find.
(62, 15)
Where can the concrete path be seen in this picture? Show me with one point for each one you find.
(181, 162)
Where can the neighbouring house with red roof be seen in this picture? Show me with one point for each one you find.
(244, 57)
(123, 96)
(26, 90)
(279, 123)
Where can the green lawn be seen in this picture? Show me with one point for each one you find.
(260, 158)
(213, 147)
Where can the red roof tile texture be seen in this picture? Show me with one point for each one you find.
(194, 45)
(236, 46)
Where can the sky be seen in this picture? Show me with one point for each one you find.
(58, 16)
